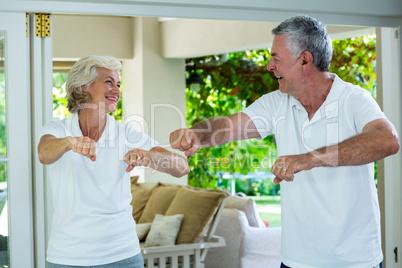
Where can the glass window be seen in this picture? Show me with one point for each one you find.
(3, 138)
(3, 161)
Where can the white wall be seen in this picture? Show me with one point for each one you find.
(77, 36)
(153, 91)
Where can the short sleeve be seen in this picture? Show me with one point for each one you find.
(55, 127)
(260, 112)
(363, 108)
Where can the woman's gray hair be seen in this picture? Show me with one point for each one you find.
(84, 73)
(307, 34)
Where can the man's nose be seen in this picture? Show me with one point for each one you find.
(270, 66)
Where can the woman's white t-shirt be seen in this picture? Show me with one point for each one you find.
(92, 220)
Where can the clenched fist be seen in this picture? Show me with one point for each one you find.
(84, 146)
(185, 140)
(137, 157)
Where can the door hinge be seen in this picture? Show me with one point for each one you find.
(396, 254)
(396, 34)
(42, 22)
(26, 24)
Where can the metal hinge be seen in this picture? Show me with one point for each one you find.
(396, 254)
(42, 23)
(396, 34)
(26, 24)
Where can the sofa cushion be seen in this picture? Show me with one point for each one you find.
(139, 200)
(159, 201)
(198, 208)
(142, 230)
(248, 206)
(164, 230)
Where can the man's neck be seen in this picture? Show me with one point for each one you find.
(316, 92)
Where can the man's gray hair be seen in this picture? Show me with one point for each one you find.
(84, 73)
(307, 34)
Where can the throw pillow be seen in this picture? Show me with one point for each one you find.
(142, 230)
(198, 208)
(140, 199)
(159, 201)
(164, 230)
(248, 206)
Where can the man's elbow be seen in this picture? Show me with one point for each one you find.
(393, 145)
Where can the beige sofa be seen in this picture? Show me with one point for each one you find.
(176, 224)
(217, 230)
(249, 244)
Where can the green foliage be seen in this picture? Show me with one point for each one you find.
(60, 95)
(232, 82)
(236, 80)
(354, 60)
(3, 136)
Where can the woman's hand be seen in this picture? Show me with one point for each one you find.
(135, 158)
(84, 146)
(159, 159)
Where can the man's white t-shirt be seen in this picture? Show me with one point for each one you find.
(330, 215)
(92, 217)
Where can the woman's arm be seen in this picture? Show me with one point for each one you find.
(51, 149)
(159, 159)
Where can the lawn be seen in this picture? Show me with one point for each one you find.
(269, 208)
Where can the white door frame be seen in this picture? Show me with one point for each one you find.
(18, 141)
(41, 112)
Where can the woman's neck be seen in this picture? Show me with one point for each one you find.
(92, 123)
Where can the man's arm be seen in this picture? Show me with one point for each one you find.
(213, 132)
(378, 140)
(159, 159)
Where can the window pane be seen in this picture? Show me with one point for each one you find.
(3, 165)
(3, 138)
(3, 216)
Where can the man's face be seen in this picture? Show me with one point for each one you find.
(286, 68)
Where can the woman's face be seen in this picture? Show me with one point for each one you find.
(104, 92)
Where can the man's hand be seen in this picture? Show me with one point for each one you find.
(84, 146)
(286, 166)
(136, 158)
(186, 140)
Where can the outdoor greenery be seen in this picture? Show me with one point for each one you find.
(235, 80)
(3, 138)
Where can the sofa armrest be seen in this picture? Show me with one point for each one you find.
(245, 246)
(262, 247)
(231, 226)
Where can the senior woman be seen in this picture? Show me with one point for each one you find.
(90, 156)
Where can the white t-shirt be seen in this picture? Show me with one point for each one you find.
(92, 220)
(330, 215)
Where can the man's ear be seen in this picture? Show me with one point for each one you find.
(306, 58)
